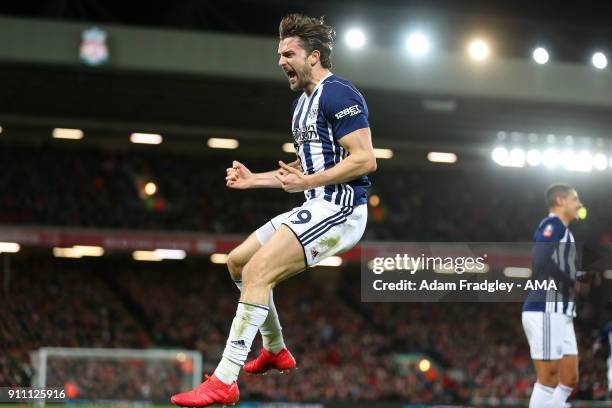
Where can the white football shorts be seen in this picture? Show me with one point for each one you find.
(550, 335)
(324, 229)
(610, 373)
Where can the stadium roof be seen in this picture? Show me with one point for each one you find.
(199, 105)
(570, 29)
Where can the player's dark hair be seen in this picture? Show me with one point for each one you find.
(313, 33)
(556, 190)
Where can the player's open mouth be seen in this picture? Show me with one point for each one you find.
(291, 75)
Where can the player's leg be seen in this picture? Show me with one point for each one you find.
(240, 255)
(610, 376)
(609, 362)
(547, 372)
(271, 330)
(281, 257)
(323, 230)
(568, 379)
(546, 355)
(317, 230)
(568, 371)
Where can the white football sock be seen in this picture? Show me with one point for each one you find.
(244, 328)
(271, 330)
(541, 397)
(560, 396)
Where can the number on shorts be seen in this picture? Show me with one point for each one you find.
(303, 217)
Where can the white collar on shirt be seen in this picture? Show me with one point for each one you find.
(319, 83)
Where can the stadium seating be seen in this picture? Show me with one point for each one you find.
(346, 349)
(99, 188)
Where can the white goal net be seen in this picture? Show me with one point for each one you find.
(117, 375)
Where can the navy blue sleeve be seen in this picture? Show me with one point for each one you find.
(546, 241)
(550, 230)
(605, 333)
(344, 108)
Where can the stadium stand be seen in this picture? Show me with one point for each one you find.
(99, 188)
(347, 350)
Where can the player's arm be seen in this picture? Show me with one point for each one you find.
(360, 162)
(546, 243)
(543, 261)
(240, 177)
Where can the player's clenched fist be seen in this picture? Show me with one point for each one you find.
(292, 179)
(239, 176)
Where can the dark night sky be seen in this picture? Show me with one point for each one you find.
(570, 30)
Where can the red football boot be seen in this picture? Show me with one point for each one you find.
(211, 392)
(266, 360)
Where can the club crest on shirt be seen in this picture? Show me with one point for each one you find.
(305, 134)
(548, 231)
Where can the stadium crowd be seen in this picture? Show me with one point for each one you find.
(346, 350)
(49, 304)
(48, 185)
